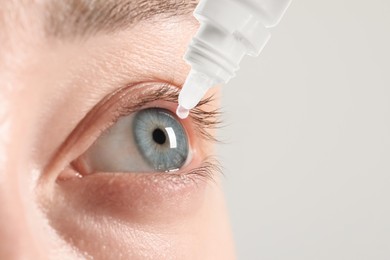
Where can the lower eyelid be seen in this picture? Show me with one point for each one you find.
(140, 197)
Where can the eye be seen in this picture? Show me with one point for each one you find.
(134, 130)
(149, 140)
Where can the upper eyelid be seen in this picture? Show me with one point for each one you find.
(203, 119)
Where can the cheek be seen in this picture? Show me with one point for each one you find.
(158, 226)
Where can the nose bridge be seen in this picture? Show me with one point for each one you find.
(18, 239)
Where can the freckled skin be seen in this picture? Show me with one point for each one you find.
(47, 88)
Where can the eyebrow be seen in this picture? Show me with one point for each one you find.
(84, 18)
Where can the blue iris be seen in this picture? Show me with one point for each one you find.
(160, 138)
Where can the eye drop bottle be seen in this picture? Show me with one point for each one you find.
(229, 30)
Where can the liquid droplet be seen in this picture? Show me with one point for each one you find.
(182, 112)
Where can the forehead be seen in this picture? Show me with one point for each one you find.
(78, 18)
(28, 23)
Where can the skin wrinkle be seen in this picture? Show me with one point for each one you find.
(82, 18)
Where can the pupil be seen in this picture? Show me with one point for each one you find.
(159, 136)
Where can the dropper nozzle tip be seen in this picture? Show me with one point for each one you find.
(182, 112)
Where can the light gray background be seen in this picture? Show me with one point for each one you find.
(307, 159)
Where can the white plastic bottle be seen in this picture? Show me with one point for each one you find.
(229, 29)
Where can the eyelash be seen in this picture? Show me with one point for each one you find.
(207, 170)
(203, 120)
